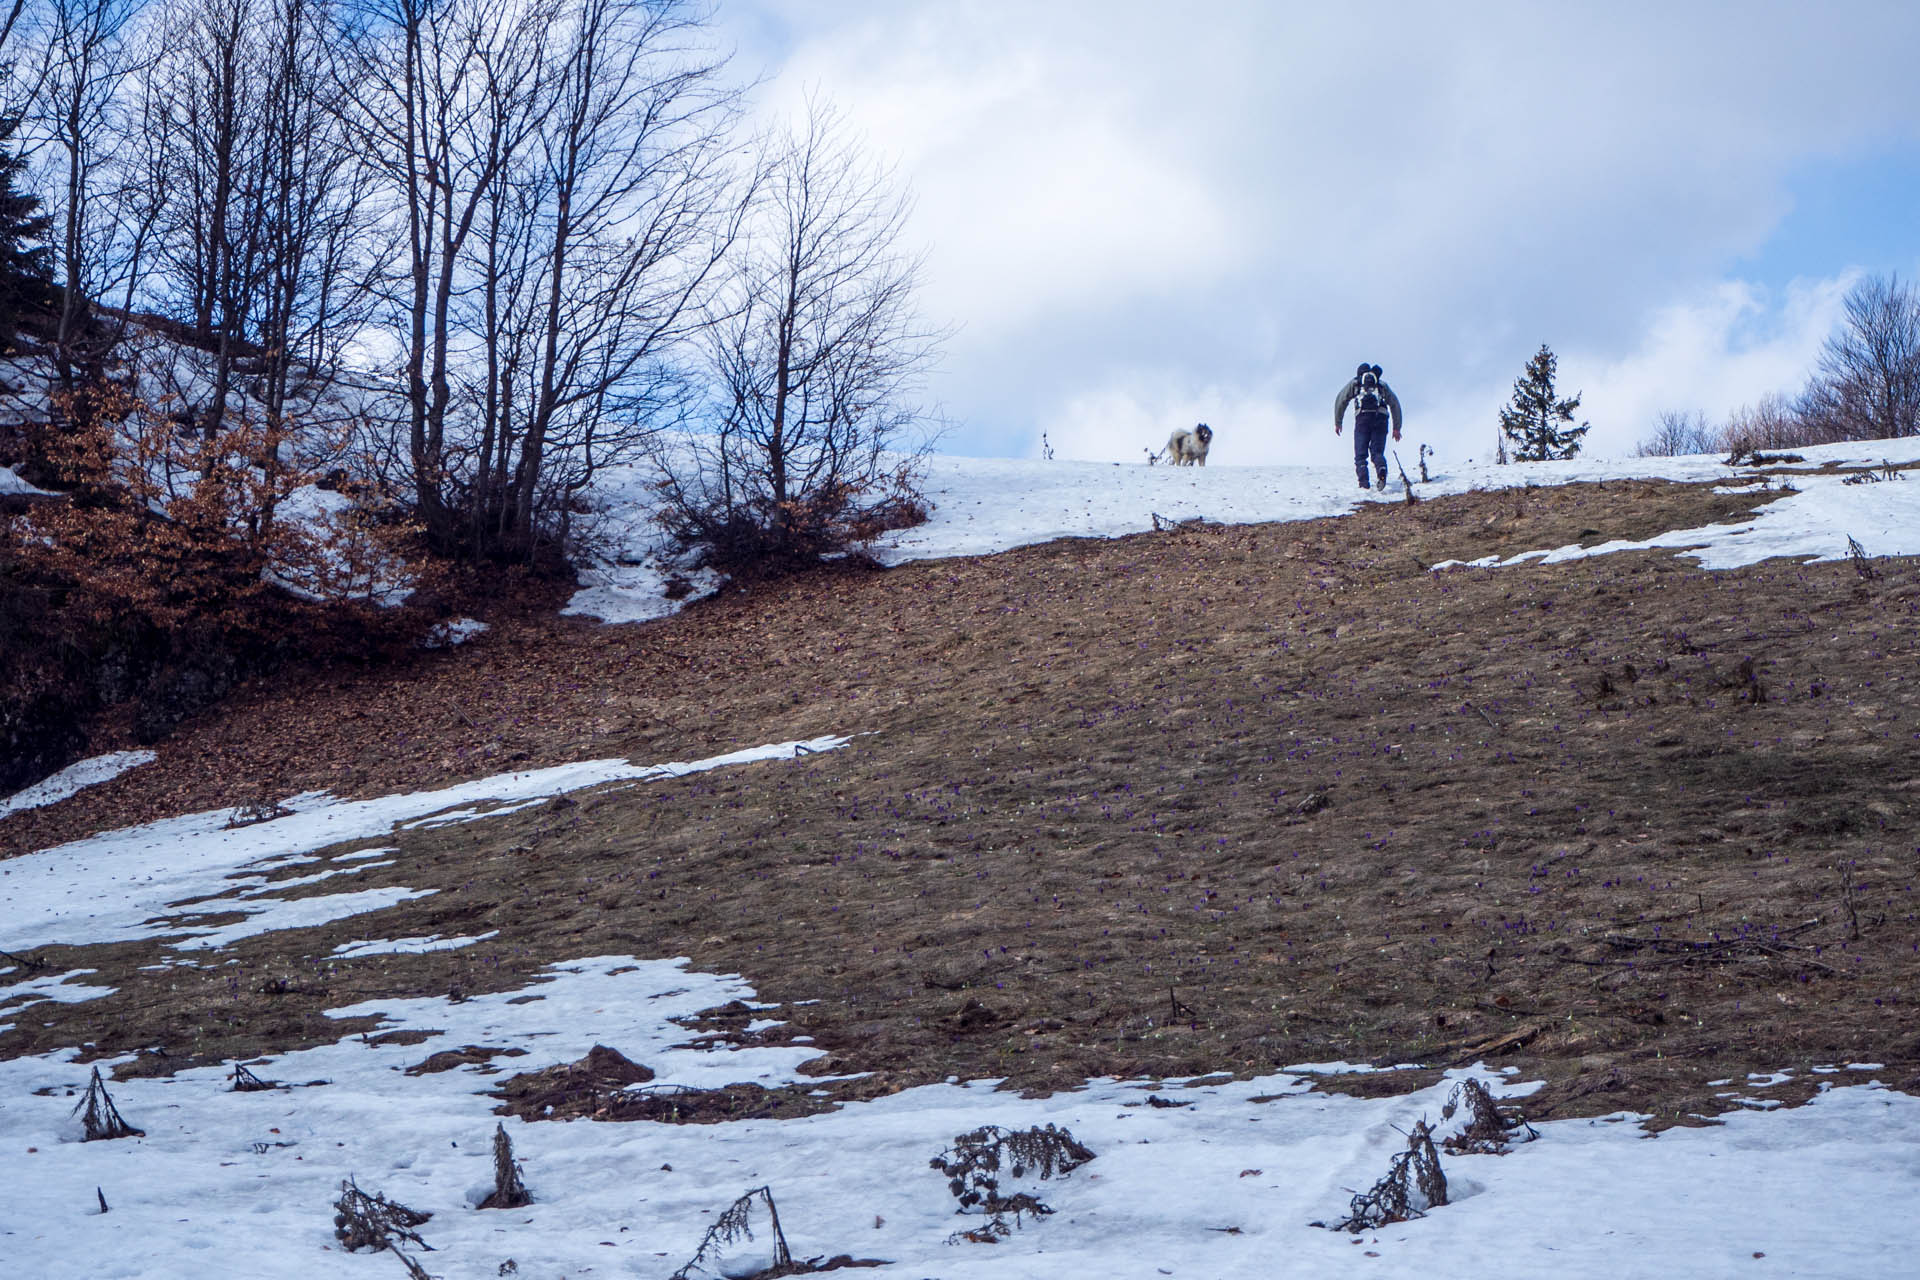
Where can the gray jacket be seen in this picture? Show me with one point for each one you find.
(1351, 391)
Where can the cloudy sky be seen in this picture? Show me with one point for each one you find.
(1141, 215)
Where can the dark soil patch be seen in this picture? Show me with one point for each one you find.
(599, 1087)
(1216, 799)
(467, 1055)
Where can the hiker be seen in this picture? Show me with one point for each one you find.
(1373, 404)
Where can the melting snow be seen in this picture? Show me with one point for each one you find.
(74, 778)
(242, 1183)
(986, 505)
(111, 887)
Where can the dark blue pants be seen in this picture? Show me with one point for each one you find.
(1370, 439)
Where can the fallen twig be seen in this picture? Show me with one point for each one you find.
(30, 963)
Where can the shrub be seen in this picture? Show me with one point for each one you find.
(1487, 1128)
(732, 1249)
(763, 538)
(100, 1120)
(1413, 1183)
(980, 1160)
(509, 1191)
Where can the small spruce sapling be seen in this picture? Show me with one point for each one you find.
(509, 1191)
(363, 1221)
(1487, 1128)
(1862, 563)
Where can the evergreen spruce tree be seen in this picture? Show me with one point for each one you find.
(26, 267)
(1540, 425)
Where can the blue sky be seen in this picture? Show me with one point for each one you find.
(1140, 216)
(1861, 209)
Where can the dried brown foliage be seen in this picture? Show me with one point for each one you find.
(172, 567)
(169, 524)
(978, 1160)
(101, 1119)
(509, 1190)
(733, 1233)
(1488, 1128)
(1413, 1183)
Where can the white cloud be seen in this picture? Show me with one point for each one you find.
(1139, 218)
(1124, 423)
(1710, 355)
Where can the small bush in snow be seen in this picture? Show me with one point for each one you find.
(1488, 1128)
(363, 1221)
(978, 1162)
(764, 538)
(1414, 1183)
(733, 1250)
(1862, 562)
(99, 1118)
(509, 1192)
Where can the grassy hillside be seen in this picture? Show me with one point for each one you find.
(1214, 799)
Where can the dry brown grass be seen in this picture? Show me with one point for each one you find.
(1627, 825)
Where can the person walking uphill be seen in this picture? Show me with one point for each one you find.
(1374, 405)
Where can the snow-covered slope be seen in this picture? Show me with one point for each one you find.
(984, 505)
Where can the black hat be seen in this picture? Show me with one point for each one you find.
(1361, 372)
(1377, 373)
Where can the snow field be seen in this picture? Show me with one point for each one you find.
(242, 1183)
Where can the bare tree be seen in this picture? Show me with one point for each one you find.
(443, 98)
(319, 246)
(89, 49)
(817, 356)
(1771, 422)
(562, 174)
(1676, 434)
(1867, 385)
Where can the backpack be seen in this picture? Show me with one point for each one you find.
(1370, 399)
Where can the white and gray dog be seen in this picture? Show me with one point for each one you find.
(1189, 448)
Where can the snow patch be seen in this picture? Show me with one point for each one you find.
(74, 779)
(453, 633)
(409, 946)
(12, 486)
(110, 887)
